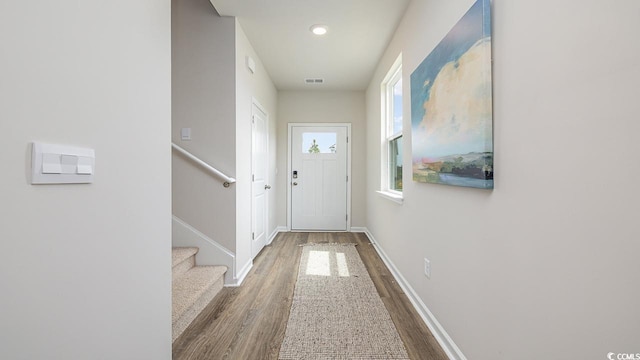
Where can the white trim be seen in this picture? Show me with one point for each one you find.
(358, 229)
(396, 198)
(288, 176)
(394, 75)
(289, 180)
(242, 274)
(275, 233)
(439, 333)
(210, 253)
(255, 103)
(349, 177)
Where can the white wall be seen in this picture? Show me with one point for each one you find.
(249, 86)
(85, 269)
(203, 97)
(324, 107)
(544, 266)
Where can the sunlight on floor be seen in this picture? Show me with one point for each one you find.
(319, 263)
(343, 269)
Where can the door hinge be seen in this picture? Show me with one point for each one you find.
(253, 178)
(346, 217)
(347, 178)
(347, 139)
(253, 236)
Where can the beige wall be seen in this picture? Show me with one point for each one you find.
(203, 94)
(324, 107)
(84, 269)
(544, 266)
(250, 86)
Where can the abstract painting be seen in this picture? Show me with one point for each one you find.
(451, 106)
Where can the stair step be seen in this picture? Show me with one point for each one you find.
(192, 292)
(180, 254)
(182, 259)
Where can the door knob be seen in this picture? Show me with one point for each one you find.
(295, 183)
(267, 187)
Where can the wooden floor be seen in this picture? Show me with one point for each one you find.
(248, 322)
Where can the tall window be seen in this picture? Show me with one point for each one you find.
(392, 129)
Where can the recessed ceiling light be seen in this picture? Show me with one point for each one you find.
(319, 29)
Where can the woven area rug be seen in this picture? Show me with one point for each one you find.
(336, 311)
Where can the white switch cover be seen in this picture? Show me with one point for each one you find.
(85, 165)
(51, 164)
(61, 164)
(185, 133)
(69, 163)
(427, 268)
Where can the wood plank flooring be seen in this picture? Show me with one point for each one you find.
(248, 322)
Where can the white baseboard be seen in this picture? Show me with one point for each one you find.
(449, 347)
(241, 275)
(275, 233)
(358, 229)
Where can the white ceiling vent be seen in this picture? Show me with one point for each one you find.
(314, 81)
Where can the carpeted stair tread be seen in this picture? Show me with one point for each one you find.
(183, 259)
(190, 286)
(180, 254)
(192, 292)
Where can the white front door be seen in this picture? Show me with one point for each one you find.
(259, 183)
(319, 178)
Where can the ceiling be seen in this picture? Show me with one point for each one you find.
(359, 31)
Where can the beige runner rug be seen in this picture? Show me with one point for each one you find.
(336, 311)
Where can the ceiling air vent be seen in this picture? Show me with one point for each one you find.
(314, 81)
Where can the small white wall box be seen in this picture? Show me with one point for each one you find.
(61, 164)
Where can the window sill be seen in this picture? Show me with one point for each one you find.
(396, 198)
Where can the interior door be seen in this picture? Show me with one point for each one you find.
(319, 178)
(259, 181)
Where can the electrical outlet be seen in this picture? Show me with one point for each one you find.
(427, 268)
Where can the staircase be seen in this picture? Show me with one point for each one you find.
(193, 287)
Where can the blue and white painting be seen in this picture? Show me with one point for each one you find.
(451, 106)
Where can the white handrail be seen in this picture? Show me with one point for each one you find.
(227, 180)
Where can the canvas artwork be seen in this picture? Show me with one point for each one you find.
(451, 106)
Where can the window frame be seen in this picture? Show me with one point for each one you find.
(387, 130)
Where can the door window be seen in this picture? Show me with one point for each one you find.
(319, 142)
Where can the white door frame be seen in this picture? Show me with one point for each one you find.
(289, 169)
(256, 104)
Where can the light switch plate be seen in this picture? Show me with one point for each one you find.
(61, 164)
(185, 134)
(427, 268)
